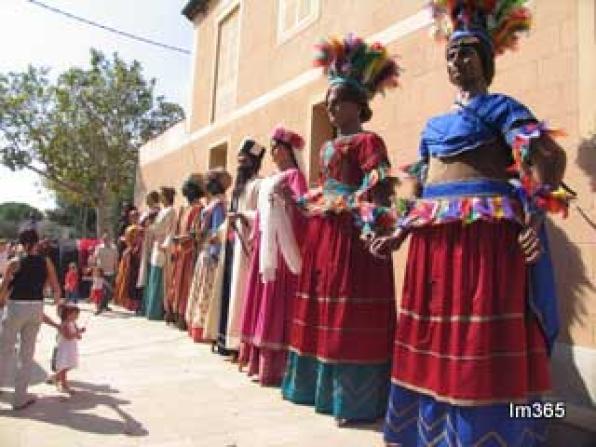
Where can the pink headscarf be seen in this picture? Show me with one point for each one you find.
(288, 137)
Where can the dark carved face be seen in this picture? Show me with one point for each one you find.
(341, 109)
(464, 65)
(133, 217)
(280, 153)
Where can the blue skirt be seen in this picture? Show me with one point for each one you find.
(346, 391)
(418, 420)
(154, 294)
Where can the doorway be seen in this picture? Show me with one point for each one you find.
(321, 130)
(218, 156)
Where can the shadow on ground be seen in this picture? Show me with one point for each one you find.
(72, 412)
(38, 375)
(114, 312)
(561, 434)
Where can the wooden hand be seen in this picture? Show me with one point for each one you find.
(530, 244)
(381, 247)
(548, 161)
(238, 217)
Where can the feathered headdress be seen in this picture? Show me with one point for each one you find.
(352, 61)
(496, 22)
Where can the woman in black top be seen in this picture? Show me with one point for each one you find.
(22, 292)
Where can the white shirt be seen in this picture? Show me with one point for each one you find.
(277, 232)
(98, 283)
(106, 257)
(163, 230)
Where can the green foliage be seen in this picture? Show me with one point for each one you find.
(82, 132)
(80, 218)
(12, 215)
(18, 212)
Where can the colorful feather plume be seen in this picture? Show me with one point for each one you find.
(351, 60)
(502, 20)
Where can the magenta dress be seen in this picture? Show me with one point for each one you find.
(267, 313)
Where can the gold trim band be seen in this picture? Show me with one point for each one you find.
(386, 360)
(469, 357)
(461, 318)
(468, 402)
(343, 299)
(344, 329)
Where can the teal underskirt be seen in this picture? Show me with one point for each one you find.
(346, 391)
(154, 294)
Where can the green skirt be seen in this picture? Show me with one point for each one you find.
(154, 294)
(347, 391)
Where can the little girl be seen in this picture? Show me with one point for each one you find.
(71, 283)
(67, 350)
(98, 286)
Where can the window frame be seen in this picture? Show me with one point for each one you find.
(229, 8)
(283, 35)
(225, 141)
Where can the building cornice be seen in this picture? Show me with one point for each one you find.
(194, 7)
(152, 152)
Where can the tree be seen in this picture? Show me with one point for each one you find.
(82, 132)
(13, 214)
(80, 218)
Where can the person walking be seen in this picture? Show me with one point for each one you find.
(106, 258)
(22, 291)
(67, 348)
(71, 283)
(4, 255)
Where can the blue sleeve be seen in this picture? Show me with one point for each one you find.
(423, 149)
(218, 215)
(508, 116)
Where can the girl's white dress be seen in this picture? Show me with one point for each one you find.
(67, 356)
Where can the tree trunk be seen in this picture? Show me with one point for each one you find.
(102, 210)
(85, 217)
(100, 224)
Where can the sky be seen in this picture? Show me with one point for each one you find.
(36, 36)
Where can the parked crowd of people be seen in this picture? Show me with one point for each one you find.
(296, 285)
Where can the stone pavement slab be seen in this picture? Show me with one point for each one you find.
(141, 383)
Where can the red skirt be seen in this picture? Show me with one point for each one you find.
(96, 296)
(465, 333)
(182, 278)
(344, 310)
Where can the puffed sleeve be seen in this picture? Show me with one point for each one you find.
(217, 217)
(372, 152)
(296, 181)
(508, 115)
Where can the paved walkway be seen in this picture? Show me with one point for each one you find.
(141, 383)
